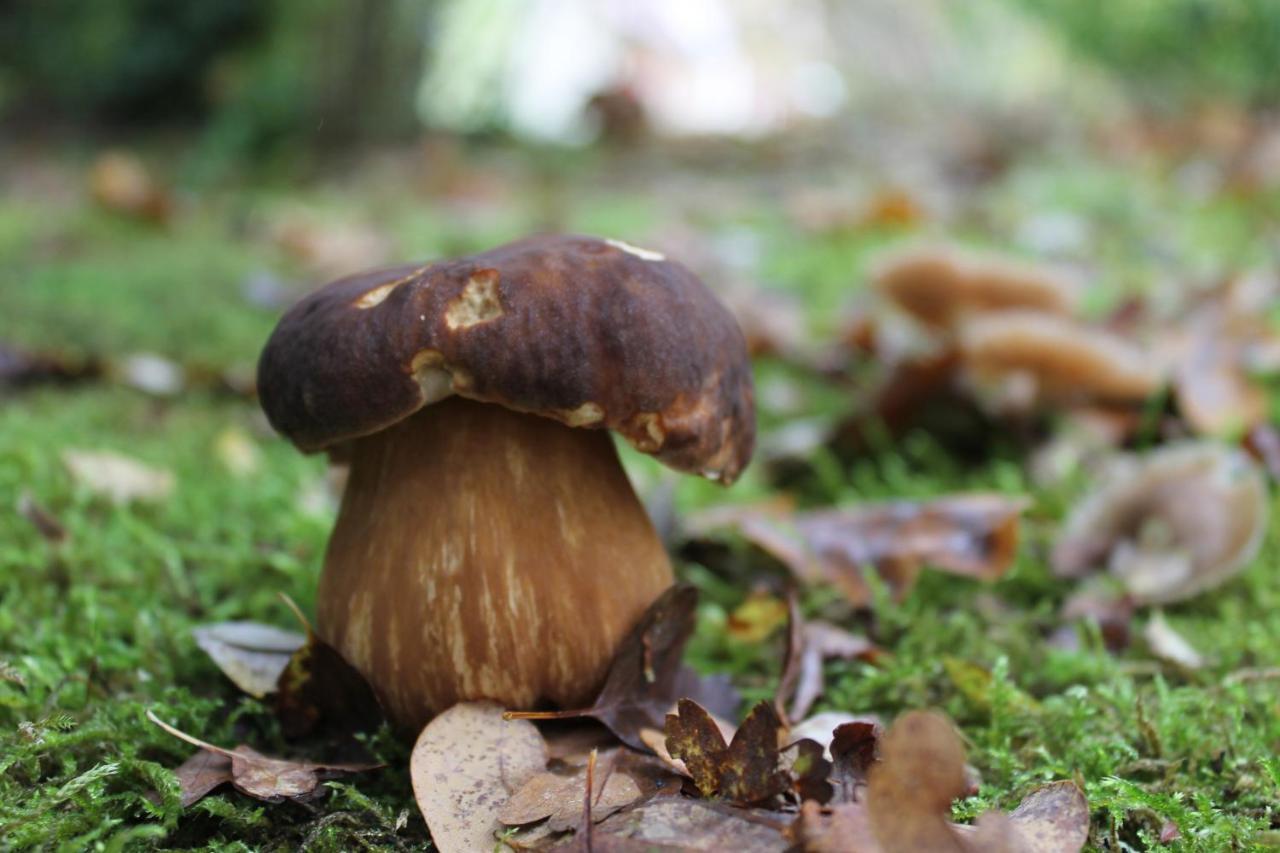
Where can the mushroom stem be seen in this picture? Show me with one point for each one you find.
(481, 553)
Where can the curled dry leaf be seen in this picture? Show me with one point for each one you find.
(1181, 520)
(272, 780)
(21, 369)
(974, 535)
(466, 764)
(744, 771)
(118, 478)
(251, 654)
(646, 676)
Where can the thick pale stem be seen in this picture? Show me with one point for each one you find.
(485, 554)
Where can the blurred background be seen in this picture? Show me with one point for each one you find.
(324, 137)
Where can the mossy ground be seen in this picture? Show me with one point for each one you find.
(96, 631)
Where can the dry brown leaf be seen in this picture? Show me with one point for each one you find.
(908, 800)
(909, 792)
(821, 642)
(646, 676)
(683, 824)
(1053, 818)
(116, 477)
(620, 778)
(200, 774)
(251, 654)
(271, 780)
(1181, 520)
(319, 689)
(974, 535)
(745, 770)
(466, 764)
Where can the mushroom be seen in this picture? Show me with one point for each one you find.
(489, 544)
(1062, 360)
(939, 285)
(1181, 520)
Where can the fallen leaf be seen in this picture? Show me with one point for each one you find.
(1171, 524)
(909, 792)
(908, 800)
(45, 522)
(318, 688)
(251, 654)
(646, 677)
(1053, 818)
(200, 774)
(809, 771)
(621, 778)
(855, 748)
(679, 823)
(973, 535)
(757, 617)
(843, 828)
(465, 766)
(1112, 612)
(822, 641)
(744, 771)
(120, 183)
(118, 478)
(1168, 645)
(271, 780)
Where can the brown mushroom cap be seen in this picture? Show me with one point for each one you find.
(937, 285)
(1068, 361)
(590, 332)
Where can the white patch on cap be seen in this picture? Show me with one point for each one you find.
(435, 380)
(479, 302)
(642, 254)
(585, 415)
(377, 295)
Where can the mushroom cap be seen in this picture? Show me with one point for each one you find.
(1068, 360)
(938, 284)
(593, 333)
